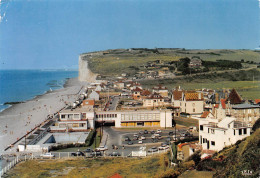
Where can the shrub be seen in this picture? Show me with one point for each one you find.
(90, 138)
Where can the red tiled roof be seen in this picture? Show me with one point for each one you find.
(193, 96)
(145, 93)
(137, 89)
(257, 101)
(177, 95)
(223, 103)
(205, 114)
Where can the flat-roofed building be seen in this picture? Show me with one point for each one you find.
(215, 135)
(74, 120)
(140, 118)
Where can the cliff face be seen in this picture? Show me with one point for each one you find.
(84, 73)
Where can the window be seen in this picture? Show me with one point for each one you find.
(193, 109)
(245, 131)
(212, 143)
(234, 132)
(63, 116)
(70, 116)
(76, 116)
(224, 132)
(193, 104)
(240, 132)
(115, 115)
(208, 130)
(212, 131)
(201, 127)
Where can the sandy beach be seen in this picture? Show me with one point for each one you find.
(17, 120)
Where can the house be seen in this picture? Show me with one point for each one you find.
(215, 135)
(192, 103)
(163, 91)
(246, 112)
(257, 101)
(145, 94)
(195, 63)
(154, 100)
(94, 95)
(136, 93)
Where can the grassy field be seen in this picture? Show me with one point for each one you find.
(130, 167)
(116, 63)
(187, 122)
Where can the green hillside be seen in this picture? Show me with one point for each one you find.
(113, 62)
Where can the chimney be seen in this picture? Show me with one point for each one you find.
(199, 96)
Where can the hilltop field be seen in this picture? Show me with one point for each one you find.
(221, 69)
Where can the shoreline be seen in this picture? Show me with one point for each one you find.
(21, 118)
(66, 84)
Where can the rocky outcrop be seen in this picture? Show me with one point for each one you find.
(84, 72)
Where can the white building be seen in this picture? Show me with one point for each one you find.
(192, 103)
(214, 135)
(75, 120)
(140, 118)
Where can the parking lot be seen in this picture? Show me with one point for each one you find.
(124, 142)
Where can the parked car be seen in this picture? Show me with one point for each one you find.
(101, 148)
(127, 139)
(143, 137)
(96, 153)
(156, 135)
(154, 140)
(130, 143)
(168, 139)
(114, 154)
(153, 149)
(140, 141)
(136, 135)
(145, 132)
(164, 144)
(141, 132)
(158, 131)
(171, 133)
(159, 137)
(47, 155)
(152, 132)
(163, 147)
(153, 136)
(135, 138)
(88, 150)
(78, 153)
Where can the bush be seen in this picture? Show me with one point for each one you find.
(256, 125)
(90, 138)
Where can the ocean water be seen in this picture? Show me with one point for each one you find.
(22, 85)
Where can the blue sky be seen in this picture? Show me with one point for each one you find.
(52, 33)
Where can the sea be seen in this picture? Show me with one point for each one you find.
(22, 85)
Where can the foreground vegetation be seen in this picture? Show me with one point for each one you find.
(156, 166)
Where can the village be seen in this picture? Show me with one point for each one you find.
(134, 121)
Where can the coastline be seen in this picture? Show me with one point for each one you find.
(20, 118)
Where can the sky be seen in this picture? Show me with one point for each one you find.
(51, 34)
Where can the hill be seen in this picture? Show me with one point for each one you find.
(117, 61)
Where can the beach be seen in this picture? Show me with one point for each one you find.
(21, 118)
